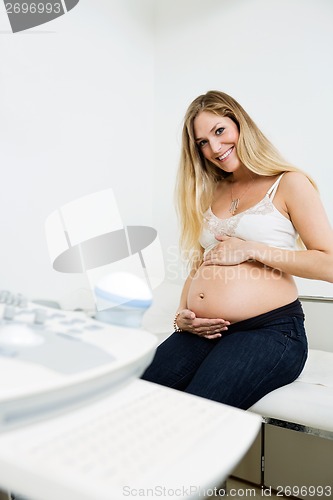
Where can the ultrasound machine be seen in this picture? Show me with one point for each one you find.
(77, 423)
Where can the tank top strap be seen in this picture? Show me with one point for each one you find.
(272, 190)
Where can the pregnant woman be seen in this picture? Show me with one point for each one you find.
(249, 222)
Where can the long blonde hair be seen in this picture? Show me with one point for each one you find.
(197, 176)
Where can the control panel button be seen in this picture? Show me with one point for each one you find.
(9, 313)
(40, 316)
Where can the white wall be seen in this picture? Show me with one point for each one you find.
(76, 100)
(273, 56)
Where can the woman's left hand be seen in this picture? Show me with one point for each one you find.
(230, 252)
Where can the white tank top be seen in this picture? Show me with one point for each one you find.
(263, 223)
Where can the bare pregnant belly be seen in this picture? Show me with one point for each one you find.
(235, 293)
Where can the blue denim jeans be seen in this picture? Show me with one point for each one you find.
(251, 359)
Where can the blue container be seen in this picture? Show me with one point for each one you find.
(122, 299)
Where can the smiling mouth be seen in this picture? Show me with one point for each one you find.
(225, 155)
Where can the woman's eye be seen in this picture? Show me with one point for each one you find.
(201, 144)
(219, 131)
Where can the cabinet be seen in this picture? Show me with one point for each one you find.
(286, 461)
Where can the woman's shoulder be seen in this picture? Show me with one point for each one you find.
(295, 187)
(292, 180)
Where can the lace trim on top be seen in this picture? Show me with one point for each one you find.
(229, 226)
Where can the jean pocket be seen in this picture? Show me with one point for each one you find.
(292, 327)
(283, 325)
(299, 329)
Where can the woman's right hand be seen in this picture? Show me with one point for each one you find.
(203, 327)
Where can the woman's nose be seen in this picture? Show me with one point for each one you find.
(216, 144)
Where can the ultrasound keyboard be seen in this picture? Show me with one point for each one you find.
(144, 440)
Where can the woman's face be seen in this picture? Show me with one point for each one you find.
(216, 137)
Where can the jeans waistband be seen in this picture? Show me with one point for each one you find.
(292, 309)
